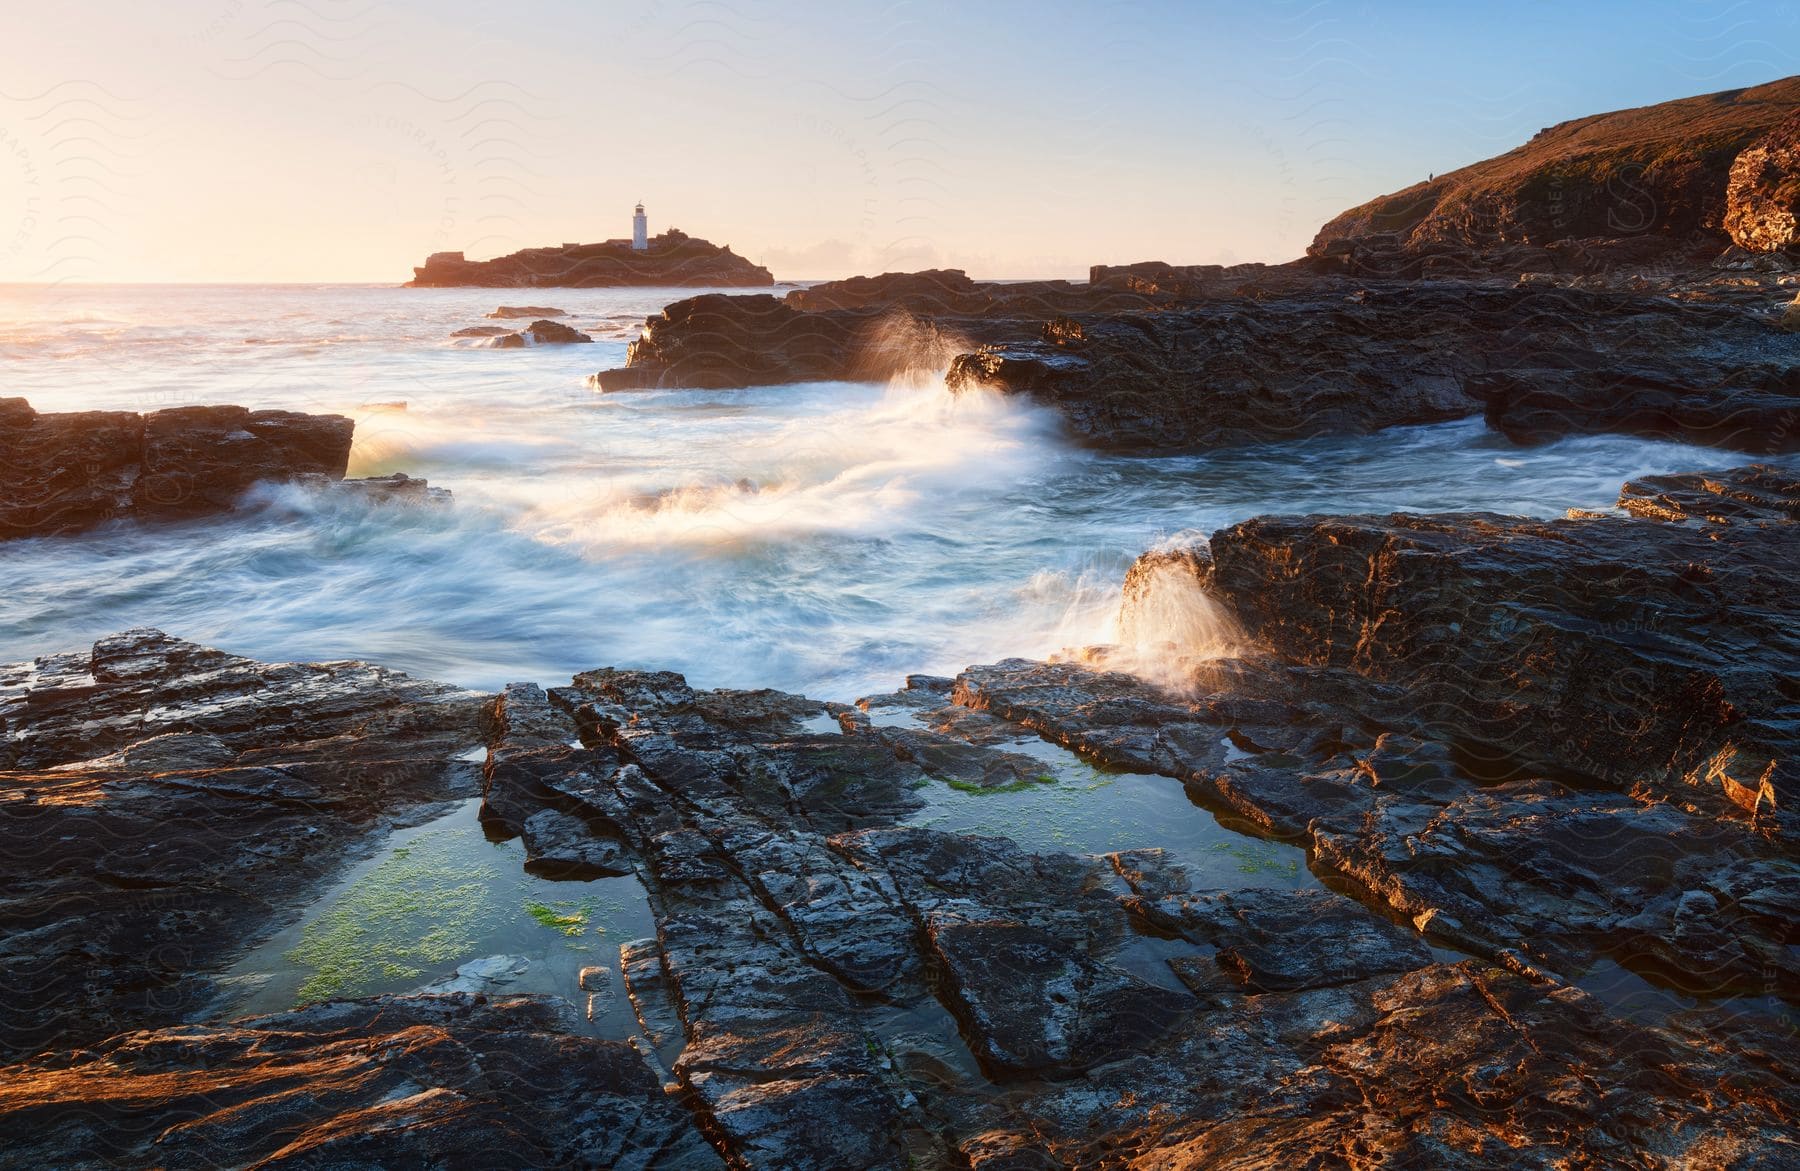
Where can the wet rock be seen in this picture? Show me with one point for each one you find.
(561, 845)
(484, 975)
(548, 333)
(445, 1080)
(864, 328)
(1762, 194)
(1270, 940)
(199, 460)
(1754, 494)
(1040, 1003)
(715, 341)
(161, 802)
(1562, 645)
(393, 488)
(66, 472)
(1541, 361)
(487, 330)
(506, 311)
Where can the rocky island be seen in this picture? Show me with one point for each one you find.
(672, 259)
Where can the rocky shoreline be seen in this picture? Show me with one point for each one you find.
(1538, 777)
(1519, 750)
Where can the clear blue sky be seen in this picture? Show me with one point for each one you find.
(344, 139)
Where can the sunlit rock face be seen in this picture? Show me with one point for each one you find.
(1763, 195)
(1564, 644)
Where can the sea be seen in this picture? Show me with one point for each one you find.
(827, 538)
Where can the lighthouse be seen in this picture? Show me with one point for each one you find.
(640, 231)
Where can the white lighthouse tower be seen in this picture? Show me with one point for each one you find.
(640, 231)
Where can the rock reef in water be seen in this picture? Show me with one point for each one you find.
(1134, 368)
(673, 259)
(505, 311)
(67, 472)
(1543, 745)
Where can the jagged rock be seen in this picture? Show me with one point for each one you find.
(65, 472)
(1458, 1066)
(446, 1080)
(806, 936)
(865, 328)
(199, 460)
(528, 311)
(1762, 195)
(272, 772)
(933, 291)
(672, 259)
(1562, 644)
(1754, 494)
(1040, 1002)
(483, 330)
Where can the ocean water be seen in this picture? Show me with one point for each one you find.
(827, 538)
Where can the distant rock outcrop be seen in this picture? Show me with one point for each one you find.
(673, 259)
(1658, 174)
(527, 311)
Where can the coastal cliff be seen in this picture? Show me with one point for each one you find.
(672, 259)
(1638, 183)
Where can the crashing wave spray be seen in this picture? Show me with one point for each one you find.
(1167, 621)
(902, 348)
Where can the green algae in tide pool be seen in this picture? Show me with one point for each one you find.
(564, 918)
(433, 898)
(422, 907)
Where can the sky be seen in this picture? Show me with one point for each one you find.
(344, 140)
